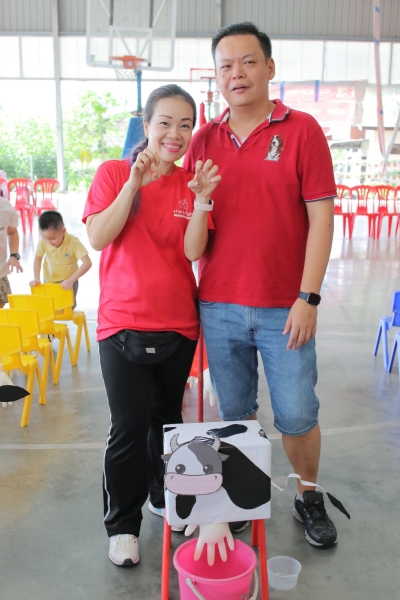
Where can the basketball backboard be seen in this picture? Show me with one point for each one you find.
(142, 28)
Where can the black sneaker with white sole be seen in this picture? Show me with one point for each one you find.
(238, 526)
(319, 529)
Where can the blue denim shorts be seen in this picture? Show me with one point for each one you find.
(233, 335)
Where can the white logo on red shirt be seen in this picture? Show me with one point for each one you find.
(275, 148)
(183, 211)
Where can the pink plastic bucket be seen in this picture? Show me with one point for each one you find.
(230, 580)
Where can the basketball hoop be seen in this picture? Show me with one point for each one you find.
(125, 67)
(203, 81)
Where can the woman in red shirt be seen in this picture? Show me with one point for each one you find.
(140, 213)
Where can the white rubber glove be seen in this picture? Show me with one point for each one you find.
(5, 380)
(212, 534)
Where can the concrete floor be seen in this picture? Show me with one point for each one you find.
(53, 544)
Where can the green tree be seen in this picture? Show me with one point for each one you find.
(94, 131)
(27, 143)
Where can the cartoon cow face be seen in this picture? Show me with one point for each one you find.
(194, 468)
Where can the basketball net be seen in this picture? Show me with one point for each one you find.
(125, 67)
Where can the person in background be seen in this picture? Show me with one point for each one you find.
(137, 213)
(9, 240)
(264, 266)
(61, 252)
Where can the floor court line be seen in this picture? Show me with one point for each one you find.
(273, 436)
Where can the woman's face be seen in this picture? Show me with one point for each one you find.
(170, 128)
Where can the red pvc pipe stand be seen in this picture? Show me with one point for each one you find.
(200, 381)
(258, 539)
(165, 566)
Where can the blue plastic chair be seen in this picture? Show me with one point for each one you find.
(395, 344)
(385, 324)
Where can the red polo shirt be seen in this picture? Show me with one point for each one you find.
(146, 282)
(256, 255)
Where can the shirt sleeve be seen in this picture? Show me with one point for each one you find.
(41, 248)
(195, 151)
(316, 169)
(13, 217)
(106, 185)
(79, 249)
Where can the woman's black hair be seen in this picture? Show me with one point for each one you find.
(165, 91)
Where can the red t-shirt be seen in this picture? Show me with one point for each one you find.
(146, 282)
(256, 255)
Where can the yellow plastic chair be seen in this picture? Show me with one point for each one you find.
(11, 357)
(45, 307)
(63, 303)
(28, 321)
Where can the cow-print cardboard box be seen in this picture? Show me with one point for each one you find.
(216, 472)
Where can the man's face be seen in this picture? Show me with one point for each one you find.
(242, 71)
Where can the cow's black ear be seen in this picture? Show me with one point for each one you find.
(166, 457)
(223, 456)
(11, 393)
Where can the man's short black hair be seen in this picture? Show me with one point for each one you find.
(50, 219)
(245, 28)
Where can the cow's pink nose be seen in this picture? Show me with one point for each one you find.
(193, 485)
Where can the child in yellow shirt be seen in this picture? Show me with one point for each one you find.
(61, 252)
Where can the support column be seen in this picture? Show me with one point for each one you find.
(218, 14)
(376, 4)
(57, 80)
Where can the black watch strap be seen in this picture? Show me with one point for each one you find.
(310, 297)
(15, 255)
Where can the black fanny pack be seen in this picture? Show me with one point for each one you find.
(146, 347)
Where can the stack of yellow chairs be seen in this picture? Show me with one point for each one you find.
(28, 321)
(12, 357)
(44, 305)
(63, 303)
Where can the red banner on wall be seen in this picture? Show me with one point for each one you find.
(326, 102)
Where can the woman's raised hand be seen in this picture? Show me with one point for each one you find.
(205, 179)
(142, 171)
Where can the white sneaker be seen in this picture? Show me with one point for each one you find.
(160, 512)
(124, 550)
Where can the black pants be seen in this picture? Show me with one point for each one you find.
(142, 399)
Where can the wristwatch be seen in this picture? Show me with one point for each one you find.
(15, 255)
(207, 207)
(310, 297)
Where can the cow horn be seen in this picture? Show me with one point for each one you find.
(174, 442)
(216, 444)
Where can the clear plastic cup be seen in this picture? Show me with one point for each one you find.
(283, 572)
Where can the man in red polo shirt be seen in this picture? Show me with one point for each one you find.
(264, 265)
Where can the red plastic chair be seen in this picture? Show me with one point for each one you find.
(386, 206)
(3, 188)
(22, 187)
(343, 205)
(397, 206)
(44, 194)
(364, 194)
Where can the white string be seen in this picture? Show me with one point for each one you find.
(295, 476)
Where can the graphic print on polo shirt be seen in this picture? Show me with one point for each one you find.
(275, 148)
(183, 211)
